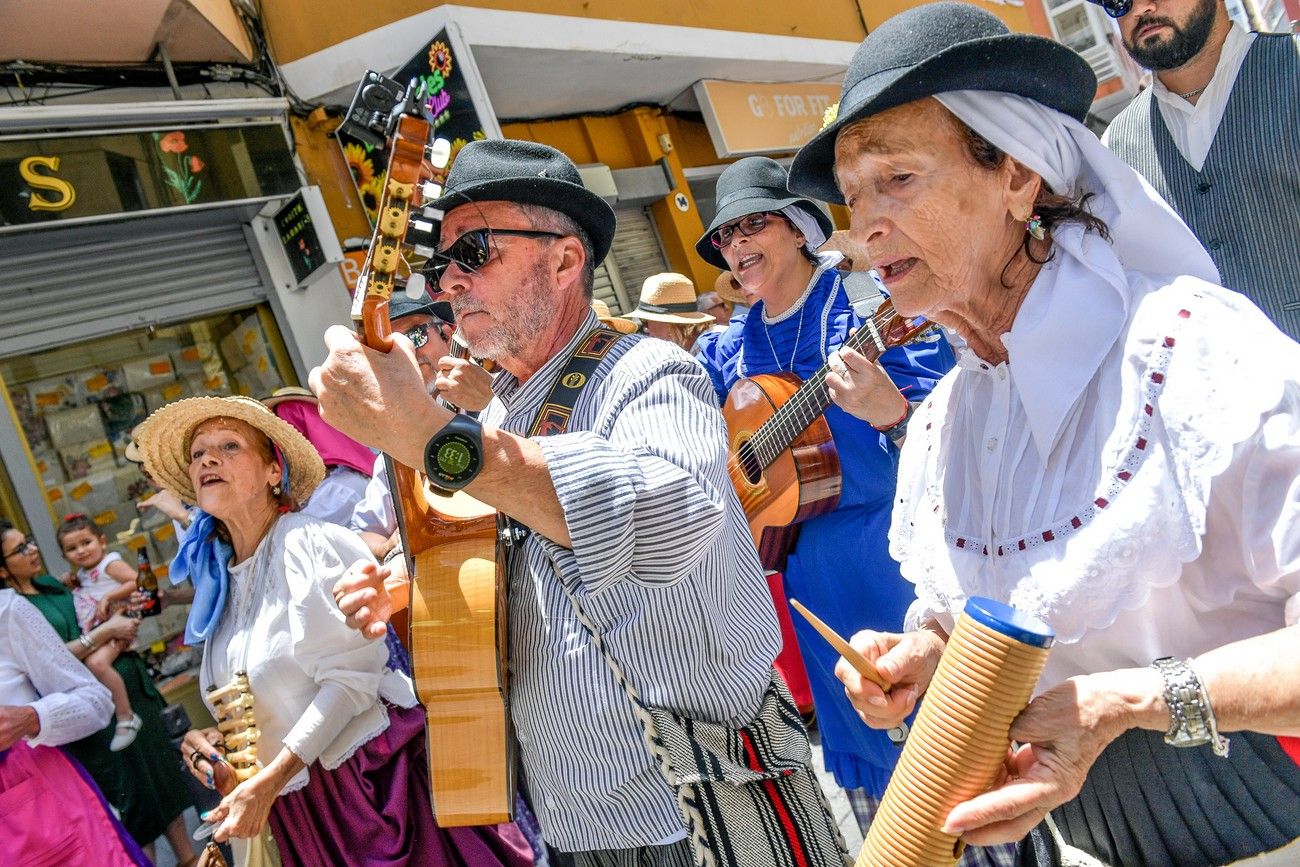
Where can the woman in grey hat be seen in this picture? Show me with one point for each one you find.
(767, 238)
(1116, 453)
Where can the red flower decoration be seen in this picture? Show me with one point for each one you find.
(196, 164)
(173, 143)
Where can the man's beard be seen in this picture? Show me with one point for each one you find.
(526, 313)
(1185, 43)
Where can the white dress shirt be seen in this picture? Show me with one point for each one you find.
(37, 669)
(375, 512)
(337, 496)
(1131, 476)
(316, 682)
(1192, 126)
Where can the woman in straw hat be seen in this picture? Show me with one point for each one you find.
(767, 238)
(1116, 452)
(341, 742)
(668, 309)
(618, 323)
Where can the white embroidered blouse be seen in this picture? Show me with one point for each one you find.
(1131, 476)
(37, 669)
(316, 682)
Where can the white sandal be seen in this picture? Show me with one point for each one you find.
(125, 733)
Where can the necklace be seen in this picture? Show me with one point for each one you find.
(1189, 94)
(798, 333)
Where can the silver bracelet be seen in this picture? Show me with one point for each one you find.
(86, 641)
(392, 554)
(1191, 719)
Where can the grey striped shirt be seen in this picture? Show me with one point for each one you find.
(664, 565)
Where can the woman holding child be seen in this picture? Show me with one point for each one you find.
(142, 780)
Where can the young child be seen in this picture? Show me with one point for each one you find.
(102, 578)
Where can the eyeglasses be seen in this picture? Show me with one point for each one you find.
(751, 224)
(473, 249)
(27, 544)
(419, 334)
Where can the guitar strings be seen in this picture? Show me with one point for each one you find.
(774, 435)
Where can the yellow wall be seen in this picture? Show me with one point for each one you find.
(629, 140)
(297, 28)
(1015, 17)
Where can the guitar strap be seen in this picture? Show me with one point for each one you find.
(553, 418)
(556, 412)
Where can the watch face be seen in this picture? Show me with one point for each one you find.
(455, 458)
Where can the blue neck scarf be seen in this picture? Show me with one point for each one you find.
(205, 560)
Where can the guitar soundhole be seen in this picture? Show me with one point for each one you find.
(749, 463)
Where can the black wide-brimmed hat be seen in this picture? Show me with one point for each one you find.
(937, 48)
(750, 186)
(527, 173)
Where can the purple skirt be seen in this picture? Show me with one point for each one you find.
(374, 811)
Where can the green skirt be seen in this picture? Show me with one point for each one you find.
(145, 781)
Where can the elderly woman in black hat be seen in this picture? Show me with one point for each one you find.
(767, 238)
(1117, 453)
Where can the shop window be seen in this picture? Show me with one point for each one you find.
(75, 406)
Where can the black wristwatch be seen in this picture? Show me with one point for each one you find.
(454, 455)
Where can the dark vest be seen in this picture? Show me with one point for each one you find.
(1244, 204)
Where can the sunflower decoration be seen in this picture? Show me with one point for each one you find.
(440, 58)
(828, 116)
(372, 193)
(359, 164)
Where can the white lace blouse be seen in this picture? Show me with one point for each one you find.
(316, 682)
(37, 669)
(1131, 476)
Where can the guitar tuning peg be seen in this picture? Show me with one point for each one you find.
(415, 286)
(430, 191)
(438, 153)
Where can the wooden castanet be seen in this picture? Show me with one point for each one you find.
(960, 737)
(802, 482)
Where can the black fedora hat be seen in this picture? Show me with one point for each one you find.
(527, 173)
(937, 48)
(402, 304)
(750, 186)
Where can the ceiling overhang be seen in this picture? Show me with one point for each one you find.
(537, 66)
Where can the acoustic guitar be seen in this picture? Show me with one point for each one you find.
(457, 631)
(783, 461)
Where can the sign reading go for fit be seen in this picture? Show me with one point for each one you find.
(748, 118)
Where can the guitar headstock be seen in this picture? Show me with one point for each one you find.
(383, 113)
(898, 330)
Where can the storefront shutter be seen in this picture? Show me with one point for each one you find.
(637, 252)
(64, 285)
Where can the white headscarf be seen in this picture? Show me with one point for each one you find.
(1145, 232)
(1145, 236)
(813, 236)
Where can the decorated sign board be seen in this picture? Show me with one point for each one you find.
(454, 99)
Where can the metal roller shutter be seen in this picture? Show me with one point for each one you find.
(88, 281)
(636, 252)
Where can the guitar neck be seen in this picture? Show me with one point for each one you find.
(812, 397)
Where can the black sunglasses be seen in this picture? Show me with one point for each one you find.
(419, 334)
(473, 249)
(24, 546)
(750, 224)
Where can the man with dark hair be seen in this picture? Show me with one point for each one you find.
(628, 511)
(1218, 135)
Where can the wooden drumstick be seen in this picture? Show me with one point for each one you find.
(859, 662)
